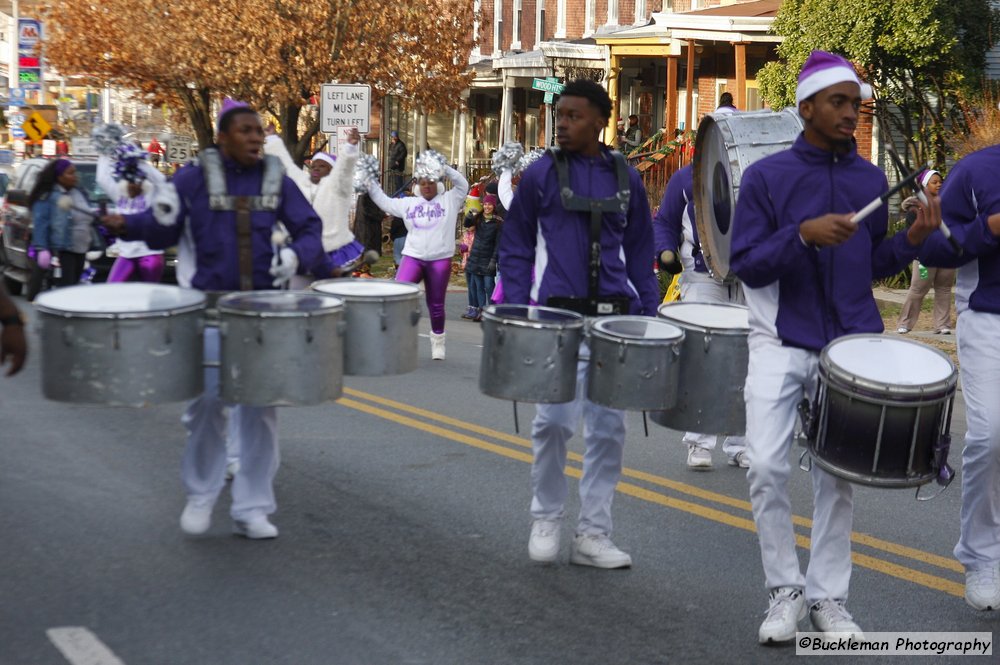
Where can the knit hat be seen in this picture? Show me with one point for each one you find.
(62, 165)
(491, 199)
(925, 177)
(824, 69)
(325, 157)
(394, 134)
(228, 105)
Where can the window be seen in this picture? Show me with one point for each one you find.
(640, 12)
(612, 12)
(497, 27)
(540, 22)
(754, 102)
(588, 21)
(561, 20)
(515, 40)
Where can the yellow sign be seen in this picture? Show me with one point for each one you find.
(35, 127)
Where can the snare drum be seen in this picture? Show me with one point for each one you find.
(121, 344)
(530, 353)
(634, 363)
(882, 407)
(280, 348)
(380, 338)
(713, 368)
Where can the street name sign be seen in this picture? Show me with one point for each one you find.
(547, 85)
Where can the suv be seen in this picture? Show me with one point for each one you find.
(15, 222)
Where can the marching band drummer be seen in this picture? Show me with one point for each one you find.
(540, 233)
(232, 251)
(678, 248)
(970, 205)
(807, 271)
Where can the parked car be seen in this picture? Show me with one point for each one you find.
(15, 222)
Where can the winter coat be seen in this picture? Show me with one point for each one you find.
(483, 254)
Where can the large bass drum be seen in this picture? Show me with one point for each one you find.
(725, 147)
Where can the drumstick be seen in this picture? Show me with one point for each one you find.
(882, 198)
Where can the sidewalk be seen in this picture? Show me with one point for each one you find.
(897, 297)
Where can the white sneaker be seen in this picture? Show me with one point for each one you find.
(197, 516)
(699, 459)
(437, 346)
(902, 331)
(787, 607)
(255, 528)
(944, 331)
(597, 550)
(740, 459)
(830, 616)
(544, 542)
(982, 587)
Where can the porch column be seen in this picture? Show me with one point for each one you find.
(506, 112)
(689, 111)
(463, 130)
(739, 99)
(611, 133)
(671, 96)
(549, 122)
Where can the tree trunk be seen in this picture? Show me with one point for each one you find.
(198, 104)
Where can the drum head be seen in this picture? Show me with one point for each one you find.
(888, 361)
(138, 299)
(726, 145)
(708, 316)
(531, 315)
(638, 328)
(366, 288)
(278, 302)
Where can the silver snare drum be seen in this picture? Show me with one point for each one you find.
(382, 315)
(121, 344)
(883, 411)
(530, 353)
(280, 348)
(713, 368)
(634, 363)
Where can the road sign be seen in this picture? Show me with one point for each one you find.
(345, 105)
(48, 148)
(82, 146)
(36, 128)
(178, 149)
(547, 85)
(16, 118)
(29, 32)
(15, 96)
(17, 132)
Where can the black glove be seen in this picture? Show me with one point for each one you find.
(470, 219)
(670, 263)
(491, 268)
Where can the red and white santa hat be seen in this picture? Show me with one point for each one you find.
(824, 69)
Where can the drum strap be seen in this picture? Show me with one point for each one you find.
(244, 242)
(571, 201)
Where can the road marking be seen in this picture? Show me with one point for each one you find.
(81, 647)
(691, 490)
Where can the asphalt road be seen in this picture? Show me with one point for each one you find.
(404, 526)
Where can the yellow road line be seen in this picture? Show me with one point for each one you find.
(867, 540)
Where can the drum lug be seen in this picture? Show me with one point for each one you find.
(622, 350)
(67, 335)
(309, 330)
(415, 317)
(708, 341)
(383, 319)
(260, 332)
(115, 337)
(805, 464)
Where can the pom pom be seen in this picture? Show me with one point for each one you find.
(429, 165)
(366, 171)
(107, 137)
(507, 156)
(527, 160)
(127, 158)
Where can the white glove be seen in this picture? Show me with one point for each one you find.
(283, 266)
(166, 204)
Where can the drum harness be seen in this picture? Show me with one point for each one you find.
(594, 304)
(219, 200)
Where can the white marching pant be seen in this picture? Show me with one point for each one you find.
(979, 542)
(203, 466)
(777, 380)
(604, 437)
(698, 287)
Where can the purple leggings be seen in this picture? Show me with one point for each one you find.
(436, 273)
(150, 268)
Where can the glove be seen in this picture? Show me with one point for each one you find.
(491, 268)
(463, 248)
(669, 262)
(166, 204)
(44, 259)
(283, 266)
